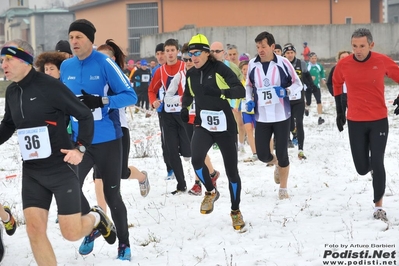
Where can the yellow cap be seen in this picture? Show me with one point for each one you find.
(199, 42)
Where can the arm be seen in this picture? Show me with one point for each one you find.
(337, 80)
(235, 88)
(153, 88)
(120, 85)
(329, 81)
(7, 127)
(296, 85)
(187, 97)
(172, 89)
(63, 99)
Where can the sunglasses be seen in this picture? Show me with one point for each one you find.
(187, 59)
(216, 51)
(197, 53)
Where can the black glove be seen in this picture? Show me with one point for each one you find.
(396, 102)
(341, 120)
(91, 101)
(184, 115)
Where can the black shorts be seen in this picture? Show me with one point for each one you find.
(39, 186)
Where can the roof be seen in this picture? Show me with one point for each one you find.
(26, 12)
(88, 4)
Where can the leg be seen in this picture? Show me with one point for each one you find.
(171, 137)
(378, 143)
(249, 130)
(226, 145)
(99, 187)
(263, 136)
(110, 168)
(282, 130)
(164, 150)
(36, 228)
(240, 126)
(201, 142)
(360, 146)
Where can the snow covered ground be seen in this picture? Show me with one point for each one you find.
(328, 214)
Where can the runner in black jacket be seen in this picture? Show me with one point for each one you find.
(35, 106)
(210, 83)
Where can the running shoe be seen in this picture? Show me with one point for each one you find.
(283, 194)
(237, 220)
(301, 155)
(179, 191)
(380, 214)
(145, 185)
(11, 225)
(320, 121)
(105, 226)
(196, 190)
(170, 176)
(214, 178)
(306, 112)
(251, 159)
(208, 201)
(124, 252)
(295, 141)
(88, 243)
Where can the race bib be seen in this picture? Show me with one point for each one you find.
(296, 96)
(97, 114)
(145, 78)
(267, 96)
(213, 121)
(173, 107)
(34, 143)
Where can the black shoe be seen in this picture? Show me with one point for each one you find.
(306, 112)
(320, 121)
(11, 225)
(178, 191)
(105, 226)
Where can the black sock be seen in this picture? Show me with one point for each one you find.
(197, 182)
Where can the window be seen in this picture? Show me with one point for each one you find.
(348, 20)
(395, 19)
(142, 20)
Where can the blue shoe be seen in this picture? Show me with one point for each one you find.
(170, 176)
(123, 252)
(295, 141)
(88, 243)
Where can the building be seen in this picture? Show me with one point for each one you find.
(41, 28)
(126, 21)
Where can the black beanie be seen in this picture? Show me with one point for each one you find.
(63, 46)
(85, 27)
(159, 48)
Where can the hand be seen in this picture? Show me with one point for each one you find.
(156, 104)
(341, 120)
(250, 105)
(73, 157)
(280, 91)
(91, 101)
(184, 115)
(396, 102)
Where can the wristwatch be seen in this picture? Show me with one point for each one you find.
(80, 148)
(105, 100)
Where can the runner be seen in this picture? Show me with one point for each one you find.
(214, 121)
